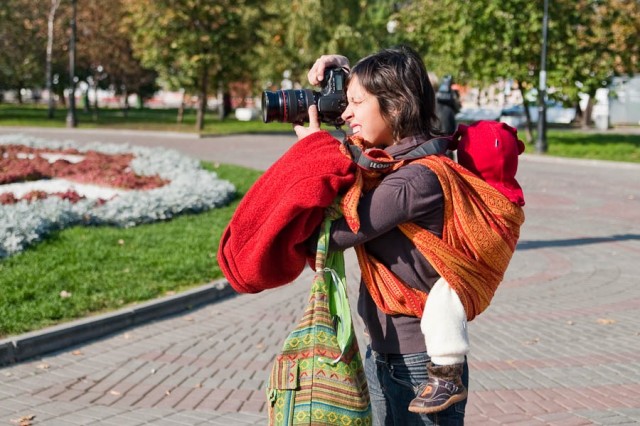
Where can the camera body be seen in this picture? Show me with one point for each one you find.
(291, 106)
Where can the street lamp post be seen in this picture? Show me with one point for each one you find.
(72, 120)
(541, 142)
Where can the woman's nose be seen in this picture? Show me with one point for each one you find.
(346, 114)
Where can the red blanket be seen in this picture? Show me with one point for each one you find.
(263, 245)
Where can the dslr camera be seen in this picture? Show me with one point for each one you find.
(291, 106)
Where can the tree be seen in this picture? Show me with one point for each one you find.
(49, 78)
(478, 42)
(481, 42)
(105, 53)
(294, 34)
(194, 42)
(600, 40)
(22, 44)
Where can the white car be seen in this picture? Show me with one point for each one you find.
(556, 113)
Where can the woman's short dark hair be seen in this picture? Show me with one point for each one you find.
(398, 78)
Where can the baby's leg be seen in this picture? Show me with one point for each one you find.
(444, 325)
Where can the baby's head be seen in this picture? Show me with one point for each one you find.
(490, 149)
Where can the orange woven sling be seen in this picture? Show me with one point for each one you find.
(481, 229)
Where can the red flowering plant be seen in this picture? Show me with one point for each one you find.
(19, 163)
(47, 185)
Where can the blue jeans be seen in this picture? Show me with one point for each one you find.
(393, 381)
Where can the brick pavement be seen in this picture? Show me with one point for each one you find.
(560, 344)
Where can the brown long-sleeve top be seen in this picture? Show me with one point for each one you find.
(410, 194)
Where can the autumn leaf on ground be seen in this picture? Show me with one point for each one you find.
(24, 420)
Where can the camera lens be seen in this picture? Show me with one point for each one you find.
(270, 106)
(286, 106)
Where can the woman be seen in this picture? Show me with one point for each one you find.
(391, 106)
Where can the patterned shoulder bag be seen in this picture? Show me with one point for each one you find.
(318, 378)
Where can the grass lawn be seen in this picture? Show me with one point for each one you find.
(595, 146)
(137, 119)
(105, 268)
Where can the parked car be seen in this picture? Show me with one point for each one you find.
(556, 113)
(469, 115)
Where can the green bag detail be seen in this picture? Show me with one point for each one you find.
(318, 378)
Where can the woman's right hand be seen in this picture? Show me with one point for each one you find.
(316, 73)
(314, 124)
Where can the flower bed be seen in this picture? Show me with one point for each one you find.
(159, 183)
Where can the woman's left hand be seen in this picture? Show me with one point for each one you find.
(314, 124)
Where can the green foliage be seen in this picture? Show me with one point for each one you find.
(188, 41)
(481, 42)
(294, 34)
(135, 264)
(203, 46)
(22, 43)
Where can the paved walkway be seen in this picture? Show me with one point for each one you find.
(560, 344)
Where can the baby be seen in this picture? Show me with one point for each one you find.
(490, 150)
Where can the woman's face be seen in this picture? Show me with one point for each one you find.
(364, 117)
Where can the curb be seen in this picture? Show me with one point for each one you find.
(22, 347)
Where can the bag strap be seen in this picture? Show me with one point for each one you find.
(331, 264)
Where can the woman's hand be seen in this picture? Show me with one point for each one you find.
(314, 124)
(315, 76)
(316, 73)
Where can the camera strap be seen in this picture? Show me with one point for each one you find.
(365, 161)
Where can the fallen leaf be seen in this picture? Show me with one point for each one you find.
(606, 321)
(24, 420)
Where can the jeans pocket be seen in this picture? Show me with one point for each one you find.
(410, 371)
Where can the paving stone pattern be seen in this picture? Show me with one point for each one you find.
(559, 345)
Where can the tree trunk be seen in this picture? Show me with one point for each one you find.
(202, 107)
(85, 100)
(125, 106)
(221, 105)
(180, 118)
(586, 114)
(61, 97)
(50, 22)
(95, 102)
(527, 115)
